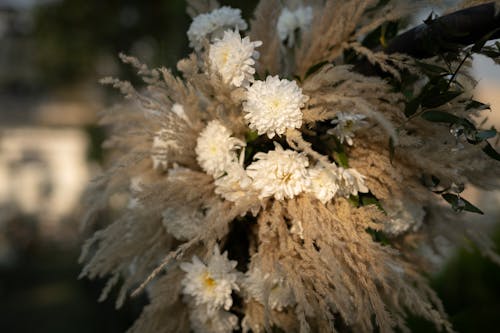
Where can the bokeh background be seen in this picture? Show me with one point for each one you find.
(52, 54)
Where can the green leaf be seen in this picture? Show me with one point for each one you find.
(251, 136)
(276, 329)
(412, 107)
(491, 152)
(491, 52)
(459, 204)
(378, 236)
(366, 201)
(341, 159)
(315, 68)
(484, 135)
(441, 117)
(354, 200)
(434, 101)
(431, 69)
(435, 180)
(480, 43)
(476, 105)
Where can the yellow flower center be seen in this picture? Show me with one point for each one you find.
(275, 104)
(286, 177)
(208, 282)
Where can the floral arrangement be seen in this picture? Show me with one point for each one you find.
(288, 176)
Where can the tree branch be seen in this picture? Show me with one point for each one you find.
(463, 27)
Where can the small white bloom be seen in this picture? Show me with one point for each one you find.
(183, 222)
(291, 22)
(215, 148)
(233, 58)
(269, 289)
(273, 105)
(178, 110)
(347, 123)
(211, 284)
(324, 182)
(220, 321)
(212, 25)
(351, 182)
(403, 215)
(279, 173)
(235, 184)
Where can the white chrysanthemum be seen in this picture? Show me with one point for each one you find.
(235, 184)
(212, 25)
(351, 182)
(211, 284)
(279, 173)
(291, 22)
(274, 105)
(215, 148)
(183, 222)
(347, 123)
(268, 288)
(403, 215)
(220, 321)
(324, 182)
(233, 58)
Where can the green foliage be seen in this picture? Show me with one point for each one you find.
(313, 69)
(460, 204)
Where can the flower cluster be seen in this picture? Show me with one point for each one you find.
(275, 171)
(210, 287)
(279, 173)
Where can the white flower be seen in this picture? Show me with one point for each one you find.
(351, 182)
(235, 184)
(183, 222)
(215, 148)
(403, 215)
(347, 123)
(279, 173)
(324, 182)
(178, 110)
(269, 289)
(273, 105)
(233, 58)
(212, 25)
(211, 284)
(220, 321)
(290, 22)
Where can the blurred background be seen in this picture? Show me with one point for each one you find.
(52, 54)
